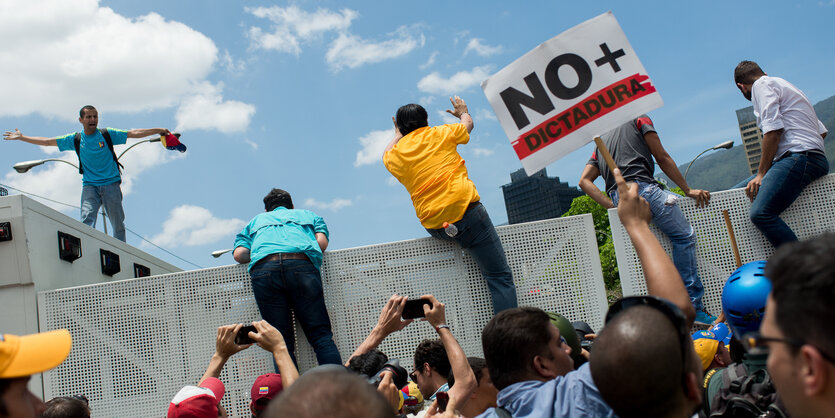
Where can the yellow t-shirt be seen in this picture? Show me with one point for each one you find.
(427, 163)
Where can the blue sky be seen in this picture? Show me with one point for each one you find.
(299, 95)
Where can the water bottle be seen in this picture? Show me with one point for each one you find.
(450, 229)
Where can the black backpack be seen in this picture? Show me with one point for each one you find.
(744, 395)
(106, 135)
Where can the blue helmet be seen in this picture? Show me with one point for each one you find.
(744, 296)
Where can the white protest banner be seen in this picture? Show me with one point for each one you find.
(578, 85)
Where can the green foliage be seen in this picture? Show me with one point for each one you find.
(608, 261)
(677, 190)
(585, 204)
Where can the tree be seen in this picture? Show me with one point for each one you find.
(603, 231)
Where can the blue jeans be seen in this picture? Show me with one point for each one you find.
(780, 187)
(671, 221)
(109, 195)
(477, 234)
(280, 286)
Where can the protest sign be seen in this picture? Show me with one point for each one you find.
(568, 90)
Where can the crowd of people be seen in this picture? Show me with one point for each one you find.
(774, 356)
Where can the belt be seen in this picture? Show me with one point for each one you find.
(284, 256)
(807, 152)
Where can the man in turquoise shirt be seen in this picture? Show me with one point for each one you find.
(283, 247)
(101, 178)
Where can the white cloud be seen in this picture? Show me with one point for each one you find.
(232, 65)
(446, 117)
(120, 64)
(392, 181)
(476, 45)
(425, 101)
(430, 61)
(190, 226)
(206, 109)
(484, 114)
(293, 26)
(251, 143)
(373, 144)
(351, 51)
(480, 152)
(334, 204)
(434, 83)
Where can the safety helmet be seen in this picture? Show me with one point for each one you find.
(567, 332)
(744, 297)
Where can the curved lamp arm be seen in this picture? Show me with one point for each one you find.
(25, 166)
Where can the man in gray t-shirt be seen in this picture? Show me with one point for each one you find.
(633, 146)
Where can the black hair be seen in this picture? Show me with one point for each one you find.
(369, 363)
(433, 353)
(410, 117)
(66, 407)
(747, 72)
(4, 386)
(511, 340)
(276, 198)
(87, 107)
(803, 286)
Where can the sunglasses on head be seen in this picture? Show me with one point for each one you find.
(756, 341)
(671, 311)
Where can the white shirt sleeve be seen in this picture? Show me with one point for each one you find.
(767, 103)
(821, 127)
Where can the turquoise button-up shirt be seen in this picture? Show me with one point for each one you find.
(283, 231)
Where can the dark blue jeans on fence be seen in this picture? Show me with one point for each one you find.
(477, 234)
(780, 187)
(280, 286)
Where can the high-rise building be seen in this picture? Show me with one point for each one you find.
(3, 191)
(536, 197)
(752, 137)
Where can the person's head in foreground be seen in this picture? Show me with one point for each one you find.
(522, 344)
(67, 407)
(330, 391)
(266, 387)
(21, 357)
(202, 401)
(643, 361)
(798, 326)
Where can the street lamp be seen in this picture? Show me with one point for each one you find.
(219, 253)
(25, 166)
(724, 145)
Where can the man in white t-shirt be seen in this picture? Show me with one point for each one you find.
(792, 148)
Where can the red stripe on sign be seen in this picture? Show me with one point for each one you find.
(595, 106)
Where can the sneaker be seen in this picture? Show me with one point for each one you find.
(704, 318)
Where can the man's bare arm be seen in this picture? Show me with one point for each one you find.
(460, 111)
(465, 382)
(322, 240)
(142, 133)
(661, 275)
(36, 140)
(241, 255)
(590, 174)
(770, 141)
(389, 321)
(668, 166)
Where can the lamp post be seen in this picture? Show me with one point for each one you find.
(25, 166)
(724, 145)
(219, 253)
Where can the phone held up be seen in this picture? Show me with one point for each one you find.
(242, 338)
(414, 308)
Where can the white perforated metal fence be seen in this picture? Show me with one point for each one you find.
(811, 214)
(137, 342)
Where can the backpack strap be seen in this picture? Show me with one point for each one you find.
(77, 142)
(109, 142)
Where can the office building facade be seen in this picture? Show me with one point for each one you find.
(752, 137)
(536, 197)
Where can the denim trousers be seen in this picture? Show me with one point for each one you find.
(780, 187)
(477, 235)
(109, 195)
(669, 218)
(282, 285)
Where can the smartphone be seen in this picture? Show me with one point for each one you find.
(443, 400)
(414, 308)
(243, 335)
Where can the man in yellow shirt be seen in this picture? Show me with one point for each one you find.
(426, 161)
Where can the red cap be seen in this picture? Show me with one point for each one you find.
(266, 386)
(197, 401)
